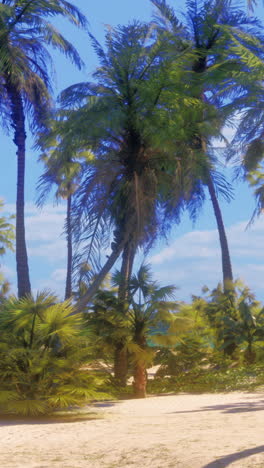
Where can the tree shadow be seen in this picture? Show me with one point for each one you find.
(229, 408)
(59, 417)
(105, 404)
(232, 457)
(30, 421)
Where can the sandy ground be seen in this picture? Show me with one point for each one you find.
(179, 431)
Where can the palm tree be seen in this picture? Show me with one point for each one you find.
(211, 59)
(148, 309)
(151, 307)
(63, 169)
(117, 119)
(110, 327)
(25, 84)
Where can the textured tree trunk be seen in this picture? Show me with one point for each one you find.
(200, 66)
(126, 270)
(120, 356)
(18, 124)
(140, 374)
(140, 381)
(226, 262)
(120, 365)
(68, 289)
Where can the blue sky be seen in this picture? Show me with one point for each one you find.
(190, 257)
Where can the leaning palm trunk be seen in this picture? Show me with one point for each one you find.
(120, 356)
(68, 289)
(18, 124)
(86, 298)
(226, 262)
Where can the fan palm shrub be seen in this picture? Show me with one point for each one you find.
(235, 319)
(151, 307)
(148, 322)
(111, 329)
(41, 357)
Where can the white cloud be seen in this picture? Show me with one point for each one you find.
(195, 244)
(194, 259)
(52, 251)
(44, 227)
(55, 283)
(44, 231)
(190, 261)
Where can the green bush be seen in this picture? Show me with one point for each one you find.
(240, 378)
(42, 358)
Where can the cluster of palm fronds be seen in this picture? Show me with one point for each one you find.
(41, 357)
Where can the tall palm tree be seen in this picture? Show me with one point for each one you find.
(211, 60)
(62, 168)
(25, 31)
(122, 120)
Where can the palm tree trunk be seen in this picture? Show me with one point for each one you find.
(199, 67)
(140, 380)
(126, 270)
(18, 124)
(68, 289)
(120, 365)
(82, 303)
(226, 262)
(120, 356)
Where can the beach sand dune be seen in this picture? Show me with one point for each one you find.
(175, 431)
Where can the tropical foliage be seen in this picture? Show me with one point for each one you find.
(129, 151)
(42, 357)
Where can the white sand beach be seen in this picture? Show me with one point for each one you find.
(179, 431)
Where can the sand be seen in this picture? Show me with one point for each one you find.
(179, 431)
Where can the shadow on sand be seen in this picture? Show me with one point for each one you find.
(231, 408)
(232, 457)
(60, 417)
(16, 421)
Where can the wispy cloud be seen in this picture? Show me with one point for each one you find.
(55, 283)
(194, 259)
